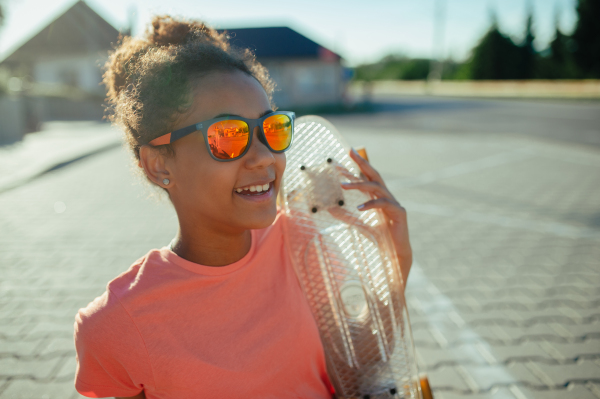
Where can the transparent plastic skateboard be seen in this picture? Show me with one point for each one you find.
(347, 267)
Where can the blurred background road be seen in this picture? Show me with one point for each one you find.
(574, 122)
(504, 294)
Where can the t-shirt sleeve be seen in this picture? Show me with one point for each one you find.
(112, 359)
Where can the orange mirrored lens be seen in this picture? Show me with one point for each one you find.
(278, 131)
(228, 139)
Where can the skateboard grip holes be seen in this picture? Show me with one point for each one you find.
(329, 160)
(367, 396)
(393, 391)
(314, 210)
(341, 202)
(302, 167)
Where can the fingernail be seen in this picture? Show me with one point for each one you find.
(360, 206)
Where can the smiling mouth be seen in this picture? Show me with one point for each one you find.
(256, 190)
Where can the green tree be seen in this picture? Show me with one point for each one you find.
(416, 69)
(528, 55)
(456, 70)
(586, 38)
(394, 67)
(496, 56)
(559, 48)
(559, 62)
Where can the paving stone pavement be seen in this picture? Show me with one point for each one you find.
(504, 295)
(57, 144)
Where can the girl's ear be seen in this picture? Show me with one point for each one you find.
(153, 162)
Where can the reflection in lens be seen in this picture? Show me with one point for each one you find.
(228, 139)
(278, 131)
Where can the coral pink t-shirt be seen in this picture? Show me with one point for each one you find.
(177, 329)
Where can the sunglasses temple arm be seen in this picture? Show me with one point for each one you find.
(177, 134)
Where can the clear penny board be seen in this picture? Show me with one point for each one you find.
(347, 267)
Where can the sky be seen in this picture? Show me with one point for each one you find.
(361, 31)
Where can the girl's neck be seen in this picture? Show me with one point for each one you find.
(211, 249)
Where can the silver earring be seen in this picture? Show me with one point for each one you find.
(166, 181)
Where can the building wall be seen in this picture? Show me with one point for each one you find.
(305, 83)
(51, 109)
(13, 123)
(300, 82)
(83, 71)
(25, 114)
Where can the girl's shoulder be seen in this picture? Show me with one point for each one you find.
(111, 304)
(108, 342)
(108, 305)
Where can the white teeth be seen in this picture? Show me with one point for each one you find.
(259, 189)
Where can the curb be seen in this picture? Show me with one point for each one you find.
(57, 161)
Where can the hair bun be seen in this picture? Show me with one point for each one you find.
(150, 79)
(168, 31)
(163, 32)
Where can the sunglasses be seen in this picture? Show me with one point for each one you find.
(228, 138)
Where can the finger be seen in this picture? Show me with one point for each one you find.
(345, 172)
(365, 167)
(392, 208)
(370, 187)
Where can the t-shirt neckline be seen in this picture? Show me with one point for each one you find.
(209, 270)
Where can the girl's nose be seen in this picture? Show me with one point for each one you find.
(259, 154)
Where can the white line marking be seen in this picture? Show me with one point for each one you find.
(469, 380)
(419, 283)
(540, 374)
(439, 337)
(517, 392)
(592, 387)
(556, 228)
(485, 353)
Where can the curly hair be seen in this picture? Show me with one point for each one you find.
(150, 79)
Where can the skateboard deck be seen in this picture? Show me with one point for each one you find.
(347, 267)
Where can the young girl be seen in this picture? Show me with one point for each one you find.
(219, 313)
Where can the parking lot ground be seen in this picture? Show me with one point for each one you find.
(504, 296)
(58, 144)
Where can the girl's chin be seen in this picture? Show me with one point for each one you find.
(264, 219)
(256, 218)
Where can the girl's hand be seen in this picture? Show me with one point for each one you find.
(395, 214)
